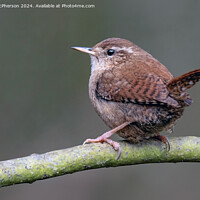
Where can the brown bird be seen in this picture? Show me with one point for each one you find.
(134, 94)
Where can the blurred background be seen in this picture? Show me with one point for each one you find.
(44, 103)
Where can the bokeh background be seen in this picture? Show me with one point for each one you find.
(44, 102)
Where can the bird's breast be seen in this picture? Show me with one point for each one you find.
(108, 110)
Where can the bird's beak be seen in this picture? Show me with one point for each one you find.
(85, 50)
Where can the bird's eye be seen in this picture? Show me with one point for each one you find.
(110, 52)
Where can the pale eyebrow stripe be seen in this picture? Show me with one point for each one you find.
(128, 49)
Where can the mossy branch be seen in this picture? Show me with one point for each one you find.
(91, 156)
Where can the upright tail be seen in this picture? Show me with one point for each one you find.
(178, 87)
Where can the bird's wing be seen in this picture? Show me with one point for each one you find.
(133, 86)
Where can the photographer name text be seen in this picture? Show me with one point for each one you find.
(45, 6)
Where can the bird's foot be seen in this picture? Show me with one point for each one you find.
(106, 138)
(103, 139)
(164, 140)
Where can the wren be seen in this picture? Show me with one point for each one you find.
(134, 94)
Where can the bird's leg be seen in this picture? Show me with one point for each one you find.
(164, 140)
(106, 137)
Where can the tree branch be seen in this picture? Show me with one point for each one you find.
(91, 156)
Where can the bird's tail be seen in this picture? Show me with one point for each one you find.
(178, 86)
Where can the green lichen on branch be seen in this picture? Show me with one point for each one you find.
(91, 156)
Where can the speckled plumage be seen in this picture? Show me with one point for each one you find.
(147, 116)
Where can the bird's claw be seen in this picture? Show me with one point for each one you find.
(100, 139)
(164, 140)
